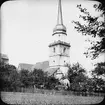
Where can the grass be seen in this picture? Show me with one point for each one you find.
(20, 98)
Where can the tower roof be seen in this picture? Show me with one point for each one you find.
(59, 18)
(59, 43)
(59, 26)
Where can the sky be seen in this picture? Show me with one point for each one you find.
(27, 28)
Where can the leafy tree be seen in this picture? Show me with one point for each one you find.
(51, 82)
(99, 76)
(98, 84)
(99, 70)
(8, 76)
(101, 6)
(74, 71)
(23, 76)
(93, 26)
(38, 77)
(90, 84)
(76, 76)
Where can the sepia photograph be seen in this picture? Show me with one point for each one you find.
(52, 52)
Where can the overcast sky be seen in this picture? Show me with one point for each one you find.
(27, 28)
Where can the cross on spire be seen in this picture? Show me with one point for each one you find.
(59, 19)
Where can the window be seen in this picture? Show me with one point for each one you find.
(53, 61)
(64, 49)
(54, 49)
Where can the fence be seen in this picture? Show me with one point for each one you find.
(60, 92)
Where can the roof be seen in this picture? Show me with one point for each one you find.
(59, 42)
(41, 65)
(60, 26)
(51, 71)
(25, 66)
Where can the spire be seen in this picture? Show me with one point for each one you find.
(59, 18)
(59, 27)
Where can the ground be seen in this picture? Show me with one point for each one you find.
(47, 99)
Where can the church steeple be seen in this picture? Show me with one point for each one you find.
(59, 47)
(59, 27)
(59, 18)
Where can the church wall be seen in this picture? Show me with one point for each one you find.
(54, 61)
(58, 60)
(57, 50)
(64, 60)
(66, 52)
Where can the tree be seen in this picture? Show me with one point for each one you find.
(41, 78)
(8, 76)
(38, 77)
(51, 83)
(101, 6)
(77, 77)
(95, 27)
(23, 76)
(74, 71)
(99, 76)
(99, 70)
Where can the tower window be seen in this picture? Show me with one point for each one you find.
(54, 49)
(64, 49)
(53, 61)
(64, 61)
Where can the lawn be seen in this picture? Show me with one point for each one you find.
(47, 99)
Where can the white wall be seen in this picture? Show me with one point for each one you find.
(59, 49)
(58, 60)
(61, 37)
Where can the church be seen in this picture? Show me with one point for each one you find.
(58, 51)
(59, 48)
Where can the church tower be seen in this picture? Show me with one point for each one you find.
(59, 48)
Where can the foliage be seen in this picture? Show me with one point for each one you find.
(23, 76)
(76, 76)
(12, 79)
(51, 83)
(99, 69)
(8, 76)
(101, 6)
(80, 82)
(76, 73)
(39, 77)
(93, 26)
(98, 84)
(99, 76)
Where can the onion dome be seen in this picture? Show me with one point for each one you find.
(59, 27)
